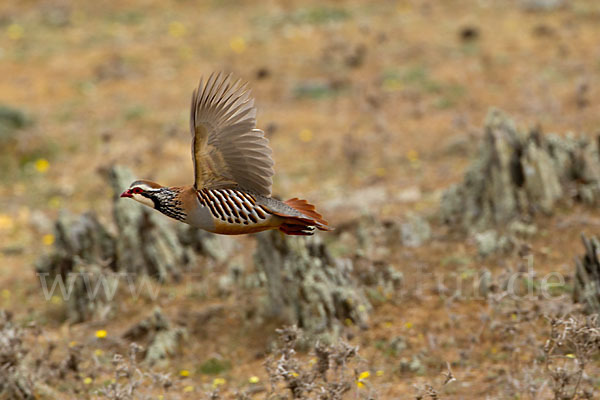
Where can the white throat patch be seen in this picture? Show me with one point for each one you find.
(142, 199)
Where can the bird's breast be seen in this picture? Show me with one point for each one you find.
(201, 217)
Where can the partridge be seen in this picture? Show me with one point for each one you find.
(233, 171)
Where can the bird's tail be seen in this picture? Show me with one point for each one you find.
(306, 224)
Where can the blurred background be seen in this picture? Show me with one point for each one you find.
(371, 108)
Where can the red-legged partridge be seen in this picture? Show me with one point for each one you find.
(233, 170)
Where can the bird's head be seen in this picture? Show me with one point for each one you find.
(145, 192)
(161, 198)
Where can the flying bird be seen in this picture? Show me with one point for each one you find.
(233, 171)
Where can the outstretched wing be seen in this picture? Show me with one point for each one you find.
(227, 149)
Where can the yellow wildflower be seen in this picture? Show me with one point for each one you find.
(238, 44)
(218, 382)
(56, 300)
(48, 239)
(379, 372)
(570, 355)
(408, 325)
(184, 372)
(412, 156)
(72, 343)
(15, 31)
(54, 202)
(6, 222)
(188, 389)
(6, 294)
(361, 377)
(381, 172)
(306, 135)
(294, 374)
(254, 379)
(87, 380)
(177, 29)
(98, 352)
(42, 165)
(101, 334)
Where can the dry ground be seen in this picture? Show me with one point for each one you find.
(370, 107)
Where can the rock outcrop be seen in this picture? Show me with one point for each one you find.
(518, 174)
(307, 286)
(587, 276)
(92, 259)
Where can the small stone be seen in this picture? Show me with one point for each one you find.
(163, 339)
(398, 344)
(458, 145)
(487, 242)
(415, 232)
(225, 285)
(485, 283)
(410, 195)
(413, 365)
(469, 33)
(416, 365)
(519, 228)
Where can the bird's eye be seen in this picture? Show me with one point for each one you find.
(137, 190)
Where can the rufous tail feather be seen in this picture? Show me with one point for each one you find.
(313, 218)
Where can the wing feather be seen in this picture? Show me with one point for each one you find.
(227, 149)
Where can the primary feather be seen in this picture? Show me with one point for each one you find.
(227, 149)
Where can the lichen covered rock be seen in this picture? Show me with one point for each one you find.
(307, 286)
(82, 261)
(160, 337)
(518, 174)
(587, 276)
(415, 231)
(92, 259)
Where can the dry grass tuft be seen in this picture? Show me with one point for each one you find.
(329, 375)
(573, 343)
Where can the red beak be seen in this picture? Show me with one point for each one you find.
(126, 193)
